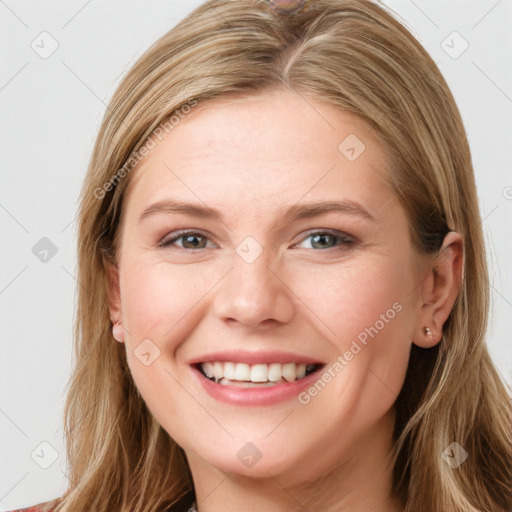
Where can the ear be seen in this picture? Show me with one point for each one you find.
(113, 290)
(439, 291)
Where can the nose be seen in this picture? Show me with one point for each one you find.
(253, 295)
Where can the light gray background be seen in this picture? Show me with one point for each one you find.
(50, 110)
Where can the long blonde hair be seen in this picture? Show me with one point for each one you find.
(352, 54)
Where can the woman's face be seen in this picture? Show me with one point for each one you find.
(293, 253)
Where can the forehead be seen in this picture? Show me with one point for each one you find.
(264, 150)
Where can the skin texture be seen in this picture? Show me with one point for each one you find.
(248, 158)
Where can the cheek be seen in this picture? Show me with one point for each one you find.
(159, 299)
(161, 307)
(364, 313)
(350, 298)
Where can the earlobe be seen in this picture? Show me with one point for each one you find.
(427, 336)
(118, 332)
(439, 291)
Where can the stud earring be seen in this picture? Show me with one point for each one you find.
(117, 332)
(428, 332)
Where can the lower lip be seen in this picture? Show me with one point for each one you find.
(256, 395)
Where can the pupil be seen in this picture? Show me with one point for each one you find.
(321, 237)
(191, 237)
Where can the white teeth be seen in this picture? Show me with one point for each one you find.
(289, 372)
(218, 370)
(227, 372)
(259, 373)
(242, 372)
(208, 369)
(275, 372)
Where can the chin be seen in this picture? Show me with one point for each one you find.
(260, 460)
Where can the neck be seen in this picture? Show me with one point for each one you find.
(361, 483)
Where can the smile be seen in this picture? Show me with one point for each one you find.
(256, 375)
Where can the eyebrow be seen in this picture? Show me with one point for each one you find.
(295, 212)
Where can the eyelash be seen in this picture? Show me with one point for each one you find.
(346, 240)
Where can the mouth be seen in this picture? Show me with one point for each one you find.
(229, 373)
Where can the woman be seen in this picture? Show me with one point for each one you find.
(284, 289)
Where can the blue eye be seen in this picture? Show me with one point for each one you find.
(326, 240)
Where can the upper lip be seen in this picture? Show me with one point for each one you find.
(255, 357)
